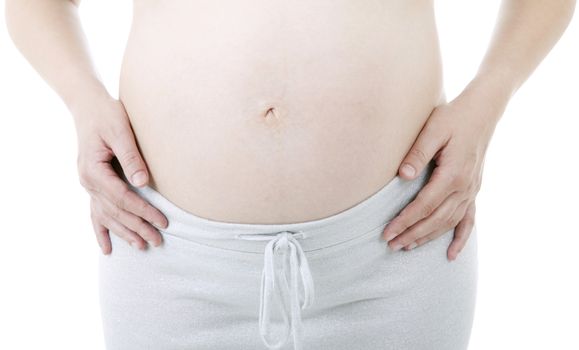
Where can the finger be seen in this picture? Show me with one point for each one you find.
(115, 227)
(101, 232)
(438, 188)
(451, 223)
(440, 220)
(462, 233)
(118, 192)
(103, 239)
(427, 144)
(123, 232)
(125, 149)
(132, 222)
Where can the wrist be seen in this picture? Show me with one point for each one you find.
(86, 98)
(490, 92)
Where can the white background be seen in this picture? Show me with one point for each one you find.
(528, 295)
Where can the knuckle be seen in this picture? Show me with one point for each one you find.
(121, 199)
(418, 153)
(459, 181)
(450, 222)
(427, 209)
(129, 157)
(115, 214)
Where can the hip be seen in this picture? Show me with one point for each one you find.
(209, 281)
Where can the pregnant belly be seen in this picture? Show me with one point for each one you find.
(278, 112)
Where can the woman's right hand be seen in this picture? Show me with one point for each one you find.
(104, 132)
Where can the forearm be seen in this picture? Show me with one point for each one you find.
(525, 32)
(49, 35)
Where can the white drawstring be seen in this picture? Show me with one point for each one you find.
(279, 287)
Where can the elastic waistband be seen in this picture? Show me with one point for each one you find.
(368, 215)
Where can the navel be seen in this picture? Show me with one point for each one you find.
(271, 113)
(272, 116)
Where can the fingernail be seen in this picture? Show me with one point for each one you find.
(134, 244)
(389, 237)
(396, 247)
(412, 245)
(408, 170)
(160, 225)
(138, 178)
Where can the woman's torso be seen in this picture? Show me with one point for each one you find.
(349, 85)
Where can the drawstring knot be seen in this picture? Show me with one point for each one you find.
(284, 262)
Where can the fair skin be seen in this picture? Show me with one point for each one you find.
(455, 133)
(458, 133)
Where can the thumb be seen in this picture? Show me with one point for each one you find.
(129, 157)
(423, 150)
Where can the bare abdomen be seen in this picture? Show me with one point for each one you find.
(278, 112)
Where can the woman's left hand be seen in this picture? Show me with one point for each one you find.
(456, 135)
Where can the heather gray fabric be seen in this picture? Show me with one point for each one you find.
(330, 283)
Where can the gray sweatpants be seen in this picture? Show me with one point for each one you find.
(330, 283)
